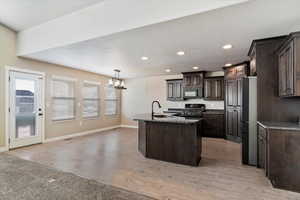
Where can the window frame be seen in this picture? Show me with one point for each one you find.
(91, 83)
(111, 99)
(73, 98)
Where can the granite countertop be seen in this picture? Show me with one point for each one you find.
(280, 125)
(168, 119)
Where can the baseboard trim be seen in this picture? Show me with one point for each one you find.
(80, 134)
(3, 149)
(128, 126)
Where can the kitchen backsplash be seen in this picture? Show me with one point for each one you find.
(209, 104)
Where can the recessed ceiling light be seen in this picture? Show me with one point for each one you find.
(228, 65)
(195, 67)
(227, 46)
(144, 58)
(168, 70)
(180, 53)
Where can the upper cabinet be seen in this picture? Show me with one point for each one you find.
(193, 84)
(214, 88)
(237, 71)
(174, 90)
(289, 66)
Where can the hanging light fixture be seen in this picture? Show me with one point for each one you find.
(116, 81)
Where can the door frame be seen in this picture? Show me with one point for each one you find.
(8, 69)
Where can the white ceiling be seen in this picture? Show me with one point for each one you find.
(23, 14)
(200, 36)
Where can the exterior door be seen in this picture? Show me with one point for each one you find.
(25, 108)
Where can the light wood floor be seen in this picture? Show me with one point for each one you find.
(112, 157)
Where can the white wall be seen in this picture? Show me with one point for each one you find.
(141, 92)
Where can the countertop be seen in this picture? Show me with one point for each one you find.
(207, 111)
(168, 119)
(280, 125)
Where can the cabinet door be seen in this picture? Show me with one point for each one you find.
(239, 124)
(213, 89)
(219, 89)
(170, 92)
(187, 80)
(177, 87)
(231, 93)
(286, 71)
(231, 123)
(282, 74)
(198, 80)
(239, 95)
(208, 89)
(213, 126)
(261, 147)
(290, 69)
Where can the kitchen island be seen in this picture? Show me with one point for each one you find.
(170, 138)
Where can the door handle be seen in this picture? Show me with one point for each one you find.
(41, 114)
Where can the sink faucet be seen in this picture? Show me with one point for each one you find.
(153, 104)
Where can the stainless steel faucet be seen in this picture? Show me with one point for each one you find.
(153, 104)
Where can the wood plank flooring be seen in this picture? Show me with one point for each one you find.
(111, 157)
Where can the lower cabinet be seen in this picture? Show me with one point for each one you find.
(233, 124)
(278, 155)
(213, 125)
(262, 149)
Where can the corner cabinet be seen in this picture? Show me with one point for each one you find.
(174, 90)
(233, 99)
(289, 66)
(214, 88)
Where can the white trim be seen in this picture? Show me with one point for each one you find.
(11, 68)
(63, 78)
(3, 149)
(91, 82)
(80, 134)
(6, 94)
(128, 126)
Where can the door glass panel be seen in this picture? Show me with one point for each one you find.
(25, 108)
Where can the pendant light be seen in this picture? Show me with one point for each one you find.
(116, 82)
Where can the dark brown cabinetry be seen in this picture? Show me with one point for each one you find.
(214, 88)
(213, 124)
(170, 141)
(233, 99)
(174, 90)
(193, 84)
(278, 155)
(288, 67)
(262, 148)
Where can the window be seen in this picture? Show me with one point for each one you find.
(63, 98)
(110, 101)
(91, 100)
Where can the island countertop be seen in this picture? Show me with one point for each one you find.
(168, 119)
